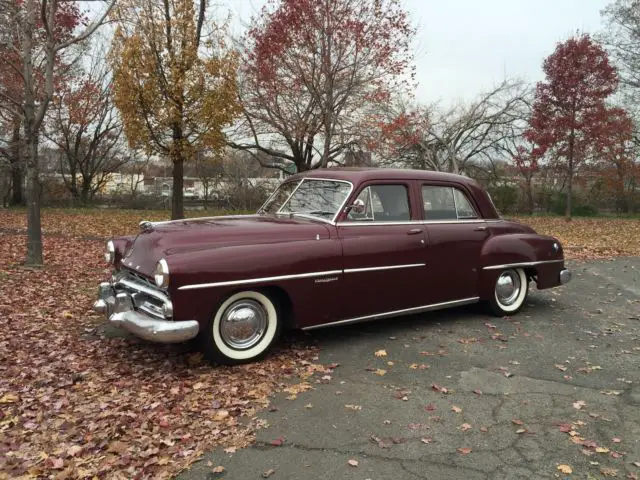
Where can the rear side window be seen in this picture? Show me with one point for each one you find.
(446, 203)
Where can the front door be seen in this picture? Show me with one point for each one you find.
(383, 247)
(456, 235)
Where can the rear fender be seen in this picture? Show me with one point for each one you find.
(535, 253)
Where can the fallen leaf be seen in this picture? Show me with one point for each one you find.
(440, 389)
(579, 404)
(464, 450)
(602, 450)
(218, 469)
(430, 407)
(477, 391)
(426, 440)
(353, 407)
(380, 353)
(565, 469)
(73, 450)
(380, 372)
(9, 398)
(268, 473)
(456, 409)
(609, 472)
(465, 426)
(278, 442)
(517, 422)
(353, 463)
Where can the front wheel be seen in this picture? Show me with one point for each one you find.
(242, 329)
(510, 292)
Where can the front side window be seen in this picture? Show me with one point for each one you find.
(381, 203)
(309, 197)
(446, 203)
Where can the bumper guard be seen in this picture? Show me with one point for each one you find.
(118, 307)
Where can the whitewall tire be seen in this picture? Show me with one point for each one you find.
(242, 329)
(509, 292)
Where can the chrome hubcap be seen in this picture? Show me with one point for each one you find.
(508, 287)
(243, 324)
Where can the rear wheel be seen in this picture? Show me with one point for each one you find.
(510, 292)
(242, 329)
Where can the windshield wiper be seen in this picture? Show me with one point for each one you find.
(319, 212)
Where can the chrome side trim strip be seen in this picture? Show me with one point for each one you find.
(387, 267)
(260, 280)
(470, 220)
(394, 313)
(521, 264)
(408, 222)
(367, 224)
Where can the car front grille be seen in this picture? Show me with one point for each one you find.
(146, 296)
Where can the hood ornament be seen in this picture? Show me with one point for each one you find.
(146, 225)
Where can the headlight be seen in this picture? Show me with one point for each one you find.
(110, 254)
(161, 274)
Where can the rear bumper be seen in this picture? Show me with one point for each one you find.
(118, 306)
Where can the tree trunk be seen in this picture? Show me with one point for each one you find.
(85, 192)
(177, 206)
(567, 213)
(17, 169)
(530, 206)
(34, 228)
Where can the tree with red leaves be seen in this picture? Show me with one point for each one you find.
(311, 70)
(35, 36)
(570, 117)
(617, 157)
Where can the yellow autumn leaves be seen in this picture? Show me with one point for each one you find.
(174, 86)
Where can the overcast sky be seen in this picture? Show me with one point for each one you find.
(464, 47)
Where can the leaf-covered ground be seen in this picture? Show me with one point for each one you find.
(75, 404)
(591, 238)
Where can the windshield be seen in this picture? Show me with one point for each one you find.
(312, 197)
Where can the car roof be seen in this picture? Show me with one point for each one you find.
(358, 175)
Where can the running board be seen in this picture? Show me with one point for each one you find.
(397, 313)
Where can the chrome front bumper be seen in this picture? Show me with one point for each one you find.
(565, 276)
(124, 309)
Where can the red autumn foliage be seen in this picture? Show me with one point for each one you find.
(570, 118)
(313, 67)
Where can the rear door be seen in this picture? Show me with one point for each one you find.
(383, 247)
(456, 234)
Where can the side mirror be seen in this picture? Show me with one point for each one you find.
(357, 206)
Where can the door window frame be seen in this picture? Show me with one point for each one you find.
(477, 219)
(414, 212)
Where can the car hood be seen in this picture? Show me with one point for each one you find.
(169, 239)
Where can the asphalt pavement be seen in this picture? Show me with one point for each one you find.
(553, 392)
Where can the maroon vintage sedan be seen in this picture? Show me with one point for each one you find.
(329, 247)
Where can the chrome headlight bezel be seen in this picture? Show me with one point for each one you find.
(110, 253)
(161, 274)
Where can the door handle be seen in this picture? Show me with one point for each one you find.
(414, 231)
(480, 229)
